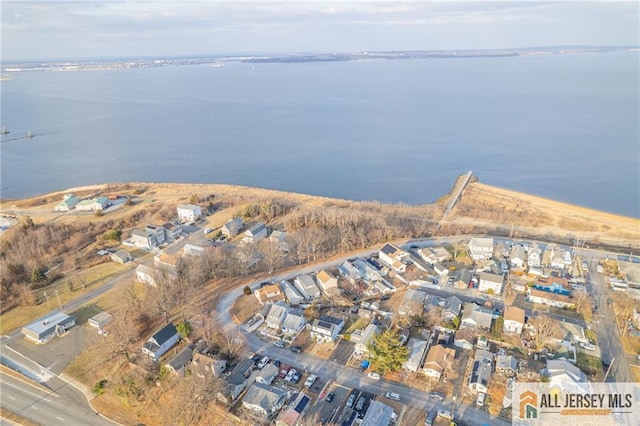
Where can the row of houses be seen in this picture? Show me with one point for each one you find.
(522, 254)
(302, 289)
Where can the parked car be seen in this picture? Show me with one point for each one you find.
(374, 376)
(330, 396)
(264, 361)
(393, 395)
(445, 414)
(360, 404)
(480, 399)
(277, 363)
(296, 349)
(290, 375)
(437, 395)
(256, 358)
(296, 377)
(278, 344)
(208, 230)
(284, 371)
(310, 381)
(351, 400)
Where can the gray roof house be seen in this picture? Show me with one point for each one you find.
(481, 371)
(268, 374)
(293, 296)
(349, 271)
(517, 256)
(276, 315)
(256, 233)
(378, 414)
(507, 364)
(417, 351)
(292, 325)
(481, 248)
(45, 329)
(475, 316)
(306, 285)
(232, 227)
(566, 376)
(264, 400)
(452, 308)
(367, 337)
(161, 342)
(121, 256)
(177, 365)
(238, 379)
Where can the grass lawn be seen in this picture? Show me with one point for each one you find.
(21, 315)
(589, 363)
(355, 323)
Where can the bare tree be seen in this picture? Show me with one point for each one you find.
(544, 329)
(624, 309)
(583, 305)
(193, 396)
(272, 255)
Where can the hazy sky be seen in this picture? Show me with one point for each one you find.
(56, 29)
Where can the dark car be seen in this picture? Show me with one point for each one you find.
(256, 358)
(277, 363)
(296, 349)
(351, 400)
(360, 404)
(296, 377)
(431, 417)
(330, 396)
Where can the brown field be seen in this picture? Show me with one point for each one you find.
(490, 208)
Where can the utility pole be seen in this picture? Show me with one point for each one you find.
(47, 297)
(609, 369)
(60, 303)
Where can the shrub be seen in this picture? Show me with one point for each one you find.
(98, 388)
(247, 290)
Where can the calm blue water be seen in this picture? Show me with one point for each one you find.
(564, 127)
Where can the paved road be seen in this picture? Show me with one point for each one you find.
(44, 407)
(607, 329)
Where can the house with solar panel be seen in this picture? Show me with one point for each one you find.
(294, 411)
(326, 329)
(481, 371)
(394, 257)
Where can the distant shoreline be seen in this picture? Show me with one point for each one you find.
(95, 64)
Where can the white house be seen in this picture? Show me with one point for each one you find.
(517, 256)
(306, 285)
(193, 250)
(327, 282)
(490, 281)
(464, 338)
(189, 212)
(269, 294)
(326, 328)
(69, 201)
(513, 320)
(434, 255)
(43, 330)
(144, 239)
(417, 349)
(367, 337)
(171, 231)
(481, 248)
(451, 309)
(293, 296)
(533, 256)
(292, 325)
(161, 342)
(256, 233)
(276, 315)
(157, 232)
(349, 271)
(566, 376)
(267, 374)
(551, 299)
(93, 204)
(394, 257)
